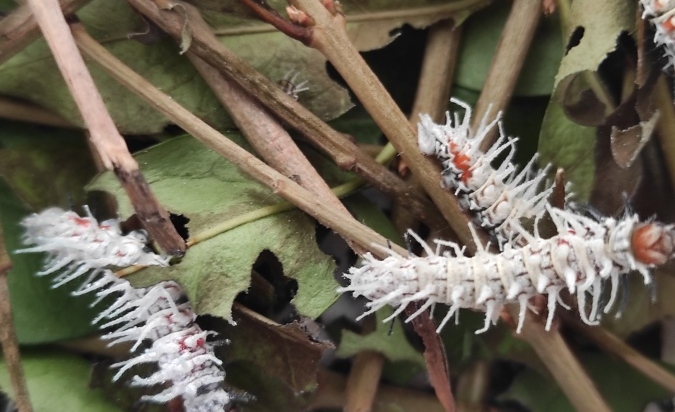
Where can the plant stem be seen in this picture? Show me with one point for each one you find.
(612, 344)
(25, 112)
(19, 28)
(559, 360)
(103, 134)
(347, 228)
(10, 346)
(330, 38)
(363, 381)
(270, 140)
(508, 60)
(336, 145)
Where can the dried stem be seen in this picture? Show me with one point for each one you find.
(438, 68)
(363, 382)
(269, 15)
(267, 136)
(331, 393)
(509, 58)
(283, 186)
(10, 346)
(336, 145)
(562, 364)
(19, 28)
(103, 134)
(25, 112)
(330, 38)
(612, 344)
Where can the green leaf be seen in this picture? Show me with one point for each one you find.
(480, 39)
(58, 382)
(624, 388)
(394, 346)
(568, 145)
(193, 181)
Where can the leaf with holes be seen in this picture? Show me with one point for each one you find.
(195, 182)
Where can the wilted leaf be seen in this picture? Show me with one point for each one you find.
(59, 382)
(628, 143)
(193, 181)
(285, 352)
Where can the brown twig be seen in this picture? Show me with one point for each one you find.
(103, 134)
(19, 28)
(509, 58)
(612, 344)
(666, 124)
(25, 112)
(331, 395)
(330, 38)
(559, 360)
(282, 185)
(363, 382)
(267, 136)
(336, 145)
(10, 347)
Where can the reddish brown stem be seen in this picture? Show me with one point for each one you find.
(10, 346)
(269, 15)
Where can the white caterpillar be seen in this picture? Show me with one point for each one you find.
(80, 246)
(498, 198)
(582, 254)
(661, 13)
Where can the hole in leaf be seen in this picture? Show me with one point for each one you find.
(575, 38)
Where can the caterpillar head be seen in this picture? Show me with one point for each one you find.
(653, 243)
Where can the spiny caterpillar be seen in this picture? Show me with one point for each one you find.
(160, 314)
(498, 198)
(661, 13)
(578, 258)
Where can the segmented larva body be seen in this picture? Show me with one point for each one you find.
(499, 198)
(160, 314)
(583, 254)
(661, 13)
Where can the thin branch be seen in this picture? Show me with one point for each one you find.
(269, 15)
(339, 147)
(666, 124)
(104, 136)
(25, 112)
(270, 140)
(330, 38)
(363, 381)
(10, 347)
(612, 344)
(559, 360)
(507, 62)
(19, 28)
(347, 228)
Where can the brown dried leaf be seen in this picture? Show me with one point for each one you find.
(626, 144)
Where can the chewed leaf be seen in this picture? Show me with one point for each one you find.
(193, 181)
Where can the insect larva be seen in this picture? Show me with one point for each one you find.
(582, 254)
(661, 13)
(160, 314)
(499, 198)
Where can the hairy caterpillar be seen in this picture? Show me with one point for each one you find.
(498, 198)
(83, 247)
(661, 13)
(578, 258)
